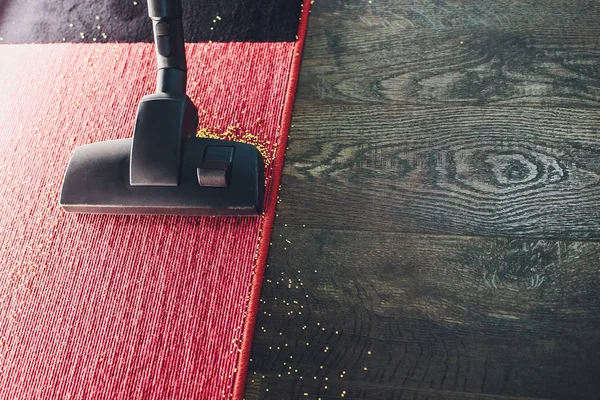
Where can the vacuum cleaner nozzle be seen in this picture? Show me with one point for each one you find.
(217, 178)
(164, 168)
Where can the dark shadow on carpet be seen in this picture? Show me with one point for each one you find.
(47, 21)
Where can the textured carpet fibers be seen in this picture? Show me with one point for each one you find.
(119, 307)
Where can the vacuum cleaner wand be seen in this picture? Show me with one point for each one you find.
(164, 168)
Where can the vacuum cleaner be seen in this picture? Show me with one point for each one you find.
(164, 168)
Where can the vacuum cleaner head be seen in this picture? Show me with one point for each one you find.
(217, 178)
(164, 168)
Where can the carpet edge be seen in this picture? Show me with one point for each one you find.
(269, 217)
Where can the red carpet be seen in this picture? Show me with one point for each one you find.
(128, 307)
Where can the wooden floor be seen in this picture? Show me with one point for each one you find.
(437, 235)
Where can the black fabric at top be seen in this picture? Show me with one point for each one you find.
(35, 21)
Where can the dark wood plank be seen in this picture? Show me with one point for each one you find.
(335, 390)
(396, 316)
(455, 66)
(440, 14)
(495, 171)
(453, 52)
(438, 117)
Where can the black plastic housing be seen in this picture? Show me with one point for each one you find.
(163, 123)
(97, 181)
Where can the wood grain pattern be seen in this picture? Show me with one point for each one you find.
(542, 53)
(395, 316)
(464, 170)
(400, 15)
(439, 206)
